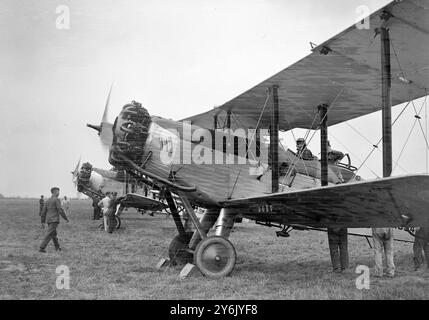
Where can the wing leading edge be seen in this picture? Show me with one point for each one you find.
(387, 202)
(344, 73)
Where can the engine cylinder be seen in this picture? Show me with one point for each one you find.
(130, 132)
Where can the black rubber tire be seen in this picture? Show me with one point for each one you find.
(215, 257)
(117, 222)
(178, 250)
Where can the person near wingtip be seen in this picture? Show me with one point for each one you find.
(338, 242)
(421, 243)
(383, 246)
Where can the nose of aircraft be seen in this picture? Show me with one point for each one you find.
(130, 132)
(83, 177)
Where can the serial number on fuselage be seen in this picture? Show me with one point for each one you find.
(265, 208)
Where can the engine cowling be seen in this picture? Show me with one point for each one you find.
(84, 176)
(130, 132)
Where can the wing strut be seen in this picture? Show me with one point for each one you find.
(274, 141)
(386, 79)
(323, 115)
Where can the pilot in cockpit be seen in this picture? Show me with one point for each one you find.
(302, 151)
(334, 156)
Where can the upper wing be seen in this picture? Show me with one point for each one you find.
(135, 200)
(388, 202)
(344, 72)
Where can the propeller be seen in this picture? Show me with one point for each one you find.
(75, 173)
(105, 128)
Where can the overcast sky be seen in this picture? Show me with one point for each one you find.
(178, 58)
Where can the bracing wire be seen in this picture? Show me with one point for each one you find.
(251, 141)
(290, 169)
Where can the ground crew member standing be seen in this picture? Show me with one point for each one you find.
(113, 206)
(65, 204)
(104, 205)
(337, 238)
(97, 211)
(421, 242)
(41, 204)
(51, 215)
(383, 241)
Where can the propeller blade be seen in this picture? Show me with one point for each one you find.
(105, 128)
(106, 108)
(106, 134)
(75, 172)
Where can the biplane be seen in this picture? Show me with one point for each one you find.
(201, 158)
(95, 183)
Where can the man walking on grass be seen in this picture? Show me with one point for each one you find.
(51, 215)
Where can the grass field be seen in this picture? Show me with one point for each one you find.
(122, 265)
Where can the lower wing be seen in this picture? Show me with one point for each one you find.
(388, 202)
(141, 202)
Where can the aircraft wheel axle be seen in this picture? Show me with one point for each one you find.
(215, 257)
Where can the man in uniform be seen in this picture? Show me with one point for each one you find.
(383, 245)
(337, 238)
(51, 215)
(421, 242)
(97, 211)
(334, 157)
(302, 151)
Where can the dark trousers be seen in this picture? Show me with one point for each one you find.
(97, 213)
(421, 244)
(111, 220)
(337, 239)
(51, 233)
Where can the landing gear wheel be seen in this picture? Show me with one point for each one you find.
(118, 222)
(215, 257)
(178, 250)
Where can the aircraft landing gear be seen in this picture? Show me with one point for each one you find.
(215, 257)
(117, 223)
(178, 251)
